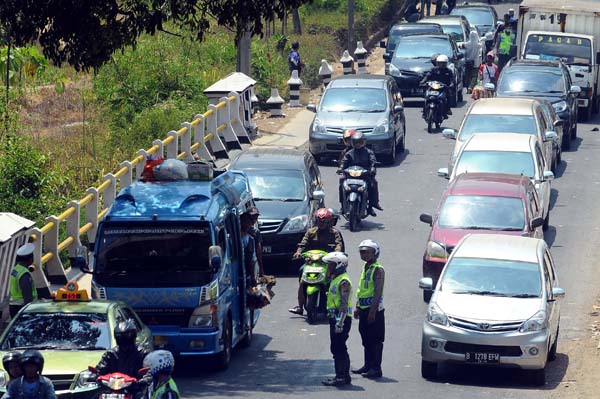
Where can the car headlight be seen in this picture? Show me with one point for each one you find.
(435, 315)
(394, 71)
(295, 224)
(435, 251)
(382, 128)
(86, 379)
(537, 322)
(319, 127)
(205, 316)
(560, 106)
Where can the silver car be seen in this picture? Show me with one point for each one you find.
(495, 304)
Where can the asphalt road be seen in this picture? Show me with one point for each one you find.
(288, 357)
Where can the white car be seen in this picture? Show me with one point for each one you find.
(510, 153)
(494, 304)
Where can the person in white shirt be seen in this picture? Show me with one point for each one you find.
(473, 59)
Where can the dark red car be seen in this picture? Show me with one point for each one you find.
(480, 203)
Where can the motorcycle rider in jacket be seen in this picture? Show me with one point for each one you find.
(362, 156)
(441, 73)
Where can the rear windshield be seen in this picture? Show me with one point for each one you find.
(477, 123)
(475, 16)
(482, 212)
(518, 80)
(572, 50)
(512, 163)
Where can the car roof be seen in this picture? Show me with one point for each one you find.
(509, 142)
(365, 80)
(489, 184)
(564, 6)
(474, 6)
(536, 63)
(416, 25)
(503, 106)
(427, 36)
(498, 246)
(268, 157)
(50, 306)
(441, 19)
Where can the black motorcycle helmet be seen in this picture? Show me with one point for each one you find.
(10, 357)
(125, 333)
(32, 356)
(358, 140)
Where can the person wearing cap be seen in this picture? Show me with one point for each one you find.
(255, 233)
(369, 309)
(22, 288)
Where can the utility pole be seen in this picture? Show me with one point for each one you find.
(351, 41)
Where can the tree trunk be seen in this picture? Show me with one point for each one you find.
(351, 42)
(284, 24)
(243, 53)
(296, 21)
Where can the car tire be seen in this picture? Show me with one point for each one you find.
(402, 145)
(453, 99)
(538, 377)
(552, 351)
(546, 222)
(429, 370)
(391, 158)
(566, 142)
(558, 157)
(223, 358)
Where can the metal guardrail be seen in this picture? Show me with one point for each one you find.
(209, 135)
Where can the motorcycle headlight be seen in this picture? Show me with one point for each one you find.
(537, 322)
(435, 251)
(382, 128)
(560, 106)
(3, 379)
(435, 315)
(319, 127)
(86, 379)
(296, 224)
(205, 316)
(394, 71)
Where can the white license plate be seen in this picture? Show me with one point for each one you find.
(266, 250)
(312, 269)
(115, 396)
(482, 357)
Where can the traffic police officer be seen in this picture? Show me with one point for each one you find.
(22, 288)
(339, 312)
(369, 310)
(504, 42)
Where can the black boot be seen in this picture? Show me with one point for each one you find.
(367, 365)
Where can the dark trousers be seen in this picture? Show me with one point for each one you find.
(503, 60)
(338, 348)
(372, 336)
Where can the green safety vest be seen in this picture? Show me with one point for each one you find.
(366, 287)
(505, 42)
(334, 299)
(167, 386)
(16, 295)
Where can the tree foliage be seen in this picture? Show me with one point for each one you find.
(85, 33)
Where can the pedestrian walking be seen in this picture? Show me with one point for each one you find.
(22, 288)
(369, 310)
(294, 61)
(339, 312)
(473, 60)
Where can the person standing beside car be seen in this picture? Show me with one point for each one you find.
(21, 285)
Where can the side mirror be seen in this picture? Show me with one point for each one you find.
(318, 195)
(426, 218)
(575, 89)
(443, 172)
(398, 109)
(558, 122)
(387, 57)
(548, 175)
(311, 107)
(215, 254)
(558, 292)
(426, 283)
(382, 44)
(449, 134)
(537, 222)
(550, 135)
(489, 86)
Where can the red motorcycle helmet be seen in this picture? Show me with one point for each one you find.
(323, 215)
(348, 133)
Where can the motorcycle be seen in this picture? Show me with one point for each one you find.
(314, 278)
(117, 385)
(355, 195)
(433, 110)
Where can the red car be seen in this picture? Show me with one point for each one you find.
(480, 203)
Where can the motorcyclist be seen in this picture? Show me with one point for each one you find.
(126, 357)
(441, 73)
(31, 385)
(12, 365)
(362, 156)
(161, 364)
(347, 147)
(323, 237)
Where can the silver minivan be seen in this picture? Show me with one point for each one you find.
(495, 304)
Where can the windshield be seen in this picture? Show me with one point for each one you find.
(477, 123)
(482, 212)
(62, 331)
(491, 277)
(423, 47)
(514, 163)
(456, 31)
(552, 47)
(276, 185)
(157, 255)
(531, 80)
(475, 16)
(397, 34)
(354, 100)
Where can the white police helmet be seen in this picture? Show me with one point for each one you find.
(339, 258)
(159, 362)
(369, 244)
(442, 58)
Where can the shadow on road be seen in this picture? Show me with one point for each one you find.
(550, 235)
(553, 198)
(400, 157)
(575, 144)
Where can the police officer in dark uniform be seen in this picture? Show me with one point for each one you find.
(22, 288)
(441, 73)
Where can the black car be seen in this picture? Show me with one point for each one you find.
(548, 80)
(404, 29)
(412, 61)
(482, 17)
(287, 188)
